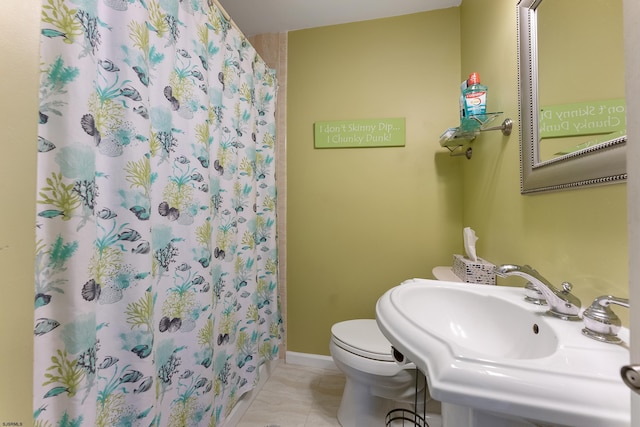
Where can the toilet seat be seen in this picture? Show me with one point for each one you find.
(362, 337)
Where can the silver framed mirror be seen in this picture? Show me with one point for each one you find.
(599, 163)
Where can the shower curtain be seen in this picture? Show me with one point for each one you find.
(156, 262)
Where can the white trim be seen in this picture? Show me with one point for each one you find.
(238, 411)
(312, 360)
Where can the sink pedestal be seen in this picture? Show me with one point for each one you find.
(456, 416)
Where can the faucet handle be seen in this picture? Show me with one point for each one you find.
(562, 303)
(600, 322)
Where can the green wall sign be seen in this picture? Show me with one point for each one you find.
(584, 118)
(360, 133)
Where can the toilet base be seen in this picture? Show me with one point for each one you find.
(360, 408)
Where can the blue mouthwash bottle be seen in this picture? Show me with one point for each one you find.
(475, 97)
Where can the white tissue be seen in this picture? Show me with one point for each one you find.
(470, 243)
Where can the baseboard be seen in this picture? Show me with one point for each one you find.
(311, 360)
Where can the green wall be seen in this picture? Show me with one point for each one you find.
(578, 236)
(364, 219)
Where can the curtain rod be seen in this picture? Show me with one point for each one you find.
(226, 15)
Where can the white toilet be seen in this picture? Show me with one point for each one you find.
(375, 382)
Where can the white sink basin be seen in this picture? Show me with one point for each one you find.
(473, 325)
(484, 347)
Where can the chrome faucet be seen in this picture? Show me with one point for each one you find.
(562, 303)
(600, 322)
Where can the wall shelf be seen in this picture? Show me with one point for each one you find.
(456, 138)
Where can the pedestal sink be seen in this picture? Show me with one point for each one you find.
(494, 360)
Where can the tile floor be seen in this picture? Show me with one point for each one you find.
(297, 396)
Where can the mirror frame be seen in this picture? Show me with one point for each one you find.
(601, 164)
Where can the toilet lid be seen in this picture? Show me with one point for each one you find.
(362, 337)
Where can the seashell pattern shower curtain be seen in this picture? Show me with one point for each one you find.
(156, 262)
